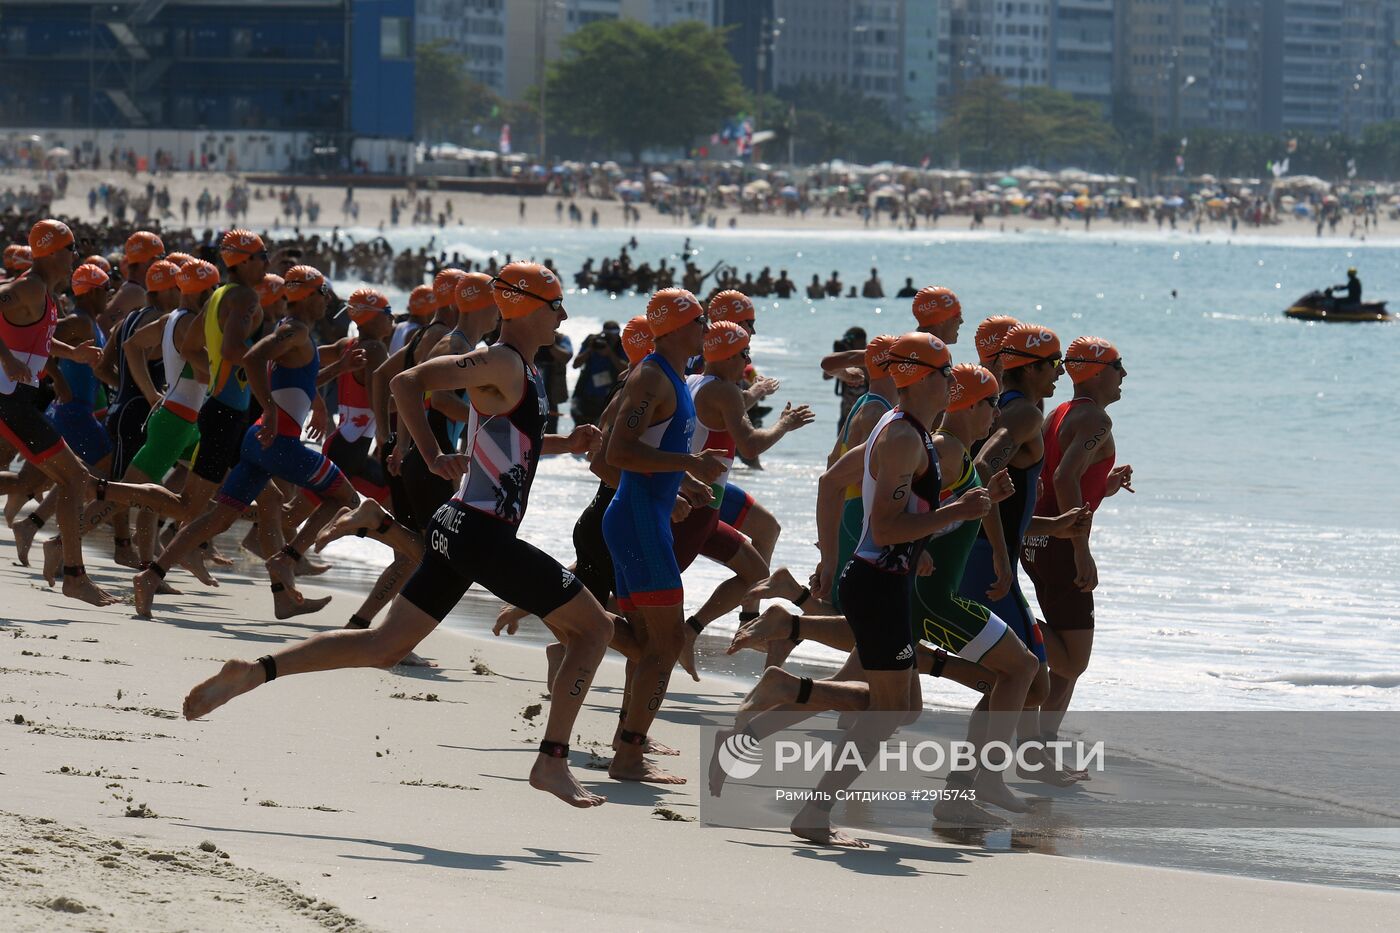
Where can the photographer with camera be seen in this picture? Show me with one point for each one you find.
(601, 360)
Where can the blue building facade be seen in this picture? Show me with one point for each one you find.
(335, 67)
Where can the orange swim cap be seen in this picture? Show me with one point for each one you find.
(730, 305)
(445, 286)
(100, 262)
(238, 246)
(971, 384)
(161, 276)
(18, 258)
(474, 293)
(523, 287)
(1089, 356)
(301, 282)
(143, 246)
(990, 334)
(48, 237)
(179, 258)
(269, 290)
(670, 309)
(935, 304)
(914, 356)
(422, 301)
(366, 304)
(724, 340)
(198, 276)
(636, 339)
(88, 277)
(1025, 344)
(877, 354)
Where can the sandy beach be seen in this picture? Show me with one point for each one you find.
(396, 800)
(500, 211)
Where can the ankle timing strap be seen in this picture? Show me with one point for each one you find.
(357, 621)
(940, 661)
(74, 570)
(291, 552)
(694, 623)
(802, 597)
(554, 749)
(269, 667)
(804, 690)
(38, 522)
(632, 738)
(795, 636)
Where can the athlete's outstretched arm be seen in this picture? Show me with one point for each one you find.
(748, 440)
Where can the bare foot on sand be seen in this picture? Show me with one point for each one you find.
(552, 775)
(1046, 773)
(234, 679)
(368, 514)
(143, 588)
(217, 557)
(24, 532)
(288, 601)
(687, 658)
(252, 543)
(165, 589)
(194, 563)
(126, 556)
(991, 789)
(53, 560)
(81, 587)
(815, 826)
(413, 659)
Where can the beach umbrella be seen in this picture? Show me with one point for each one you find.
(788, 191)
(1301, 210)
(1215, 203)
(59, 153)
(1066, 199)
(1174, 201)
(1007, 182)
(1114, 192)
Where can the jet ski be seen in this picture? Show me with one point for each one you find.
(1319, 306)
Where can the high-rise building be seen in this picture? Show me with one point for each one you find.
(662, 13)
(1081, 49)
(753, 31)
(473, 29)
(535, 29)
(1329, 66)
(1163, 60)
(1016, 41)
(927, 52)
(1233, 89)
(859, 44)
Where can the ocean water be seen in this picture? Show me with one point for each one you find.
(1255, 567)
